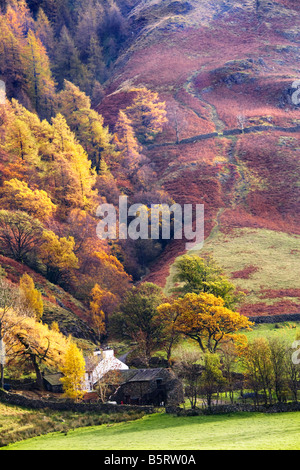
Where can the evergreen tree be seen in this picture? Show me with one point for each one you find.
(95, 63)
(67, 64)
(12, 60)
(41, 84)
(44, 31)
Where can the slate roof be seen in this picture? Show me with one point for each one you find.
(141, 375)
(91, 363)
(54, 379)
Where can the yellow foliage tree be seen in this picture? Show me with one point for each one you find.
(101, 298)
(74, 372)
(126, 143)
(147, 113)
(203, 318)
(17, 195)
(35, 343)
(58, 255)
(72, 174)
(31, 297)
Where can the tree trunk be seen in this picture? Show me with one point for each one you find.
(2, 376)
(39, 377)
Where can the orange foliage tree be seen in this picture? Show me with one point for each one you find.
(203, 318)
(101, 300)
(147, 113)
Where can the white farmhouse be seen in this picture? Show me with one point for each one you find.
(98, 365)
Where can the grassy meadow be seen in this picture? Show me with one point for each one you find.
(18, 423)
(263, 263)
(241, 431)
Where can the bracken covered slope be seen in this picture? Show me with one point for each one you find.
(225, 69)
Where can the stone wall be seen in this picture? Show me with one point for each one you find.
(285, 317)
(69, 405)
(235, 408)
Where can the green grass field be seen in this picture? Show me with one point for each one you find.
(241, 431)
(275, 255)
(286, 331)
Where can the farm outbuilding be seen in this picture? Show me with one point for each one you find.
(157, 387)
(52, 383)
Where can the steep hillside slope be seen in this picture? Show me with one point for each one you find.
(59, 306)
(225, 69)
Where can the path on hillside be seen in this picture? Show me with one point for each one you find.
(215, 118)
(227, 133)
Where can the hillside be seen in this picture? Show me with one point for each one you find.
(225, 70)
(59, 305)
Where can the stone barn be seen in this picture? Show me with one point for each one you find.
(158, 387)
(52, 382)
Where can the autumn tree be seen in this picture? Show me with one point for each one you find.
(292, 371)
(31, 298)
(136, 318)
(113, 277)
(90, 17)
(147, 113)
(229, 355)
(51, 157)
(35, 343)
(196, 275)
(188, 368)
(211, 378)
(269, 368)
(69, 169)
(167, 316)
(57, 253)
(73, 369)
(258, 368)
(100, 298)
(87, 124)
(57, 12)
(20, 142)
(127, 144)
(12, 59)
(17, 195)
(67, 63)
(42, 87)
(96, 64)
(205, 319)
(20, 234)
(44, 31)
(278, 351)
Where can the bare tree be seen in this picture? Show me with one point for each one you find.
(188, 369)
(20, 234)
(242, 121)
(108, 384)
